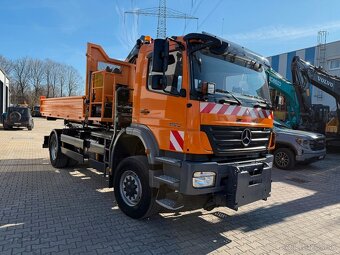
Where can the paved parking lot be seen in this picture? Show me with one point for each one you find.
(71, 211)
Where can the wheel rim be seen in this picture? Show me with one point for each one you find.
(130, 188)
(282, 159)
(54, 148)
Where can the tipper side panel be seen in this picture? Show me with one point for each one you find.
(70, 108)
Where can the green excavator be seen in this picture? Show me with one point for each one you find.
(285, 87)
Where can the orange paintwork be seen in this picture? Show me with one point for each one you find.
(171, 112)
(164, 112)
(63, 107)
(98, 92)
(96, 54)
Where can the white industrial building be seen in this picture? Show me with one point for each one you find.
(4, 92)
(326, 55)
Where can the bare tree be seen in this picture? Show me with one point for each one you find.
(54, 82)
(36, 78)
(6, 65)
(32, 78)
(73, 80)
(62, 76)
(48, 66)
(20, 77)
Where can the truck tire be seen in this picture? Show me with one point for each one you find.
(133, 194)
(284, 158)
(57, 158)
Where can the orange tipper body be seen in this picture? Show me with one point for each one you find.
(196, 107)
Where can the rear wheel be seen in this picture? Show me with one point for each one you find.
(284, 158)
(30, 127)
(57, 158)
(133, 194)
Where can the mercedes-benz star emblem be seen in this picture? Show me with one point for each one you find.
(246, 137)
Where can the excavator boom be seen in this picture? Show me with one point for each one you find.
(303, 74)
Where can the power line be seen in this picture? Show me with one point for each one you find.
(208, 16)
(192, 12)
(162, 13)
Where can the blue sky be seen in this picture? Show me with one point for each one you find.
(60, 29)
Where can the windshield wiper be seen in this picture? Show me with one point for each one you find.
(261, 102)
(237, 101)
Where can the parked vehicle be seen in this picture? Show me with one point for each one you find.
(18, 116)
(183, 122)
(3, 117)
(36, 111)
(296, 146)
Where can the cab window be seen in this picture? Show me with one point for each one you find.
(173, 74)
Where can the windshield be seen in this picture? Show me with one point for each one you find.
(229, 74)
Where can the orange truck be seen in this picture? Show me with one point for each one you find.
(183, 123)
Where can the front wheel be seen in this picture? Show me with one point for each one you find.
(284, 158)
(57, 158)
(133, 194)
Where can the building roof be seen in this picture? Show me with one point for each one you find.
(5, 74)
(329, 43)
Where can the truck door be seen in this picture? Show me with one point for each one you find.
(164, 111)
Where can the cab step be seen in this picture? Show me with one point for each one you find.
(171, 181)
(169, 204)
(169, 161)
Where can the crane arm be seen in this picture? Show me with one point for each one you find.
(279, 83)
(304, 73)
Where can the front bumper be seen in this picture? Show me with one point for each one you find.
(237, 183)
(309, 155)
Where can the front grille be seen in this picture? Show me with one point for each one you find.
(227, 140)
(318, 144)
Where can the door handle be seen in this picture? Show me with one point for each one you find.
(145, 111)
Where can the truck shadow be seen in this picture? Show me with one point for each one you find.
(75, 205)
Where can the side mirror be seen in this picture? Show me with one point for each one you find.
(159, 82)
(160, 55)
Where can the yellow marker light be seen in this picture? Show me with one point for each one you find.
(147, 38)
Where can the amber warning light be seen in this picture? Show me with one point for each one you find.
(147, 39)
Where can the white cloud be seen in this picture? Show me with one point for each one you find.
(284, 32)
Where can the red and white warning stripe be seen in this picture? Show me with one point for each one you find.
(236, 110)
(176, 140)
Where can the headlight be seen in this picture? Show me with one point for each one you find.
(203, 179)
(303, 142)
